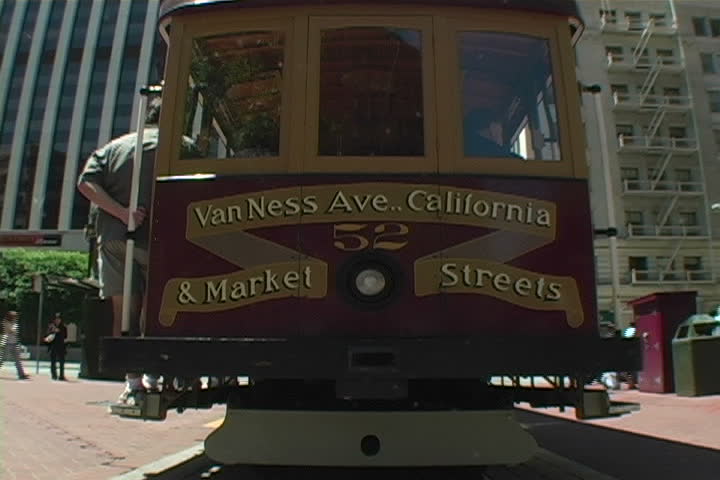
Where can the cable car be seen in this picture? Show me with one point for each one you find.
(382, 222)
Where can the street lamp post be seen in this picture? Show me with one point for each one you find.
(596, 92)
(39, 287)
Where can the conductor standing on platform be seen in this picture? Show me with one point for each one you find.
(106, 181)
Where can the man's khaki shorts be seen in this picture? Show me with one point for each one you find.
(111, 268)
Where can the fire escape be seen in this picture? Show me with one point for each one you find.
(660, 152)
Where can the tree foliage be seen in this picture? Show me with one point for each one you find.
(17, 269)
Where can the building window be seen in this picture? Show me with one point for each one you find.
(717, 139)
(700, 26)
(630, 173)
(609, 16)
(634, 217)
(688, 218)
(683, 175)
(715, 27)
(677, 132)
(639, 267)
(667, 56)
(708, 63)
(634, 20)
(714, 97)
(624, 130)
(659, 19)
(692, 264)
(614, 54)
(672, 94)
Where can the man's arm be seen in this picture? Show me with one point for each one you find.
(96, 194)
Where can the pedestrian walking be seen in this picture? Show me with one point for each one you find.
(56, 335)
(9, 347)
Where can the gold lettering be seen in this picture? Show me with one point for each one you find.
(216, 293)
(274, 208)
(290, 280)
(448, 269)
(523, 287)
(543, 218)
(255, 208)
(411, 200)
(271, 284)
(554, 294)
(380, 203)
(339, 202)
(238, 292)
(501, 282)
(307, 283)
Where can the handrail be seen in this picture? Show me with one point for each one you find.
(651, 100)
(664, 186)
(683, 231)
(670, 276)
(644, 40)
(657, 143)
(644, 62)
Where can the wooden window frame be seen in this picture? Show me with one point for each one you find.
(453, 160)
(300, 104)
(184, 31)
(315, 163)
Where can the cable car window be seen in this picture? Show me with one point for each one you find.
(371, 92)
(509, 104)
(233, 99)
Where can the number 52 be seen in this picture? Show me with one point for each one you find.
(353, 237)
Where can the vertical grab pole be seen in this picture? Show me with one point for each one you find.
(134, 193)
(596, 92)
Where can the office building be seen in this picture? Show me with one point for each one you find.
(653, 145)
(69, 73)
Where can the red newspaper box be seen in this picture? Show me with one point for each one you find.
(657, 317)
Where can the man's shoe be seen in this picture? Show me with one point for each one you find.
(127, 397)
(24, 377)
(150, 382)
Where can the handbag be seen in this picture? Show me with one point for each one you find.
(49, 338)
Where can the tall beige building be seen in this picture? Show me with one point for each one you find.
(654, 146)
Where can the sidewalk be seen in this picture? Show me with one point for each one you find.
(61, 430)
(53, 430)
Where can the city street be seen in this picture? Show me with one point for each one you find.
(62, 431)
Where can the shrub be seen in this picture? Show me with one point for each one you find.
(17, 269)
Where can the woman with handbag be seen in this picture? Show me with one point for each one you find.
(57, 333)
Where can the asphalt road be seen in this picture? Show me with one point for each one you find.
(570, 451)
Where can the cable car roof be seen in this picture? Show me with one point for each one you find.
(566, 8)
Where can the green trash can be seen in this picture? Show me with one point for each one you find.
(696, 356)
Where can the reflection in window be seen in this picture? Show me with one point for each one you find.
(509, 105)
(233, 99)
(371, 92)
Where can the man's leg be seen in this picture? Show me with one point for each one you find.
(53, 360)
(61, 360)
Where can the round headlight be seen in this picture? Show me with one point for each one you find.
(370, 282)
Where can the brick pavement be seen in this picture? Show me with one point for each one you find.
(62, 431)
(690, 420)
